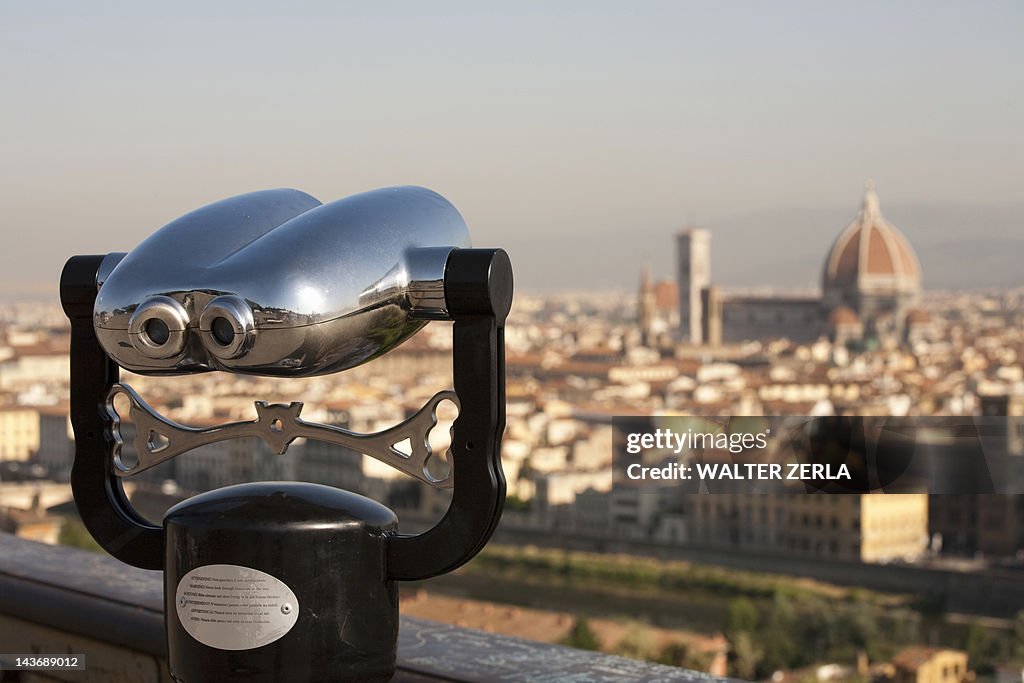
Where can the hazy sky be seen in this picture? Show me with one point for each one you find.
(533, 118)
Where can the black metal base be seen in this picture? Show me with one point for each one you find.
(326, 545)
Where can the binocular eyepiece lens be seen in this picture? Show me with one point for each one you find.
(222, 330)
(227, 326)
(157, 331)
(157, 327)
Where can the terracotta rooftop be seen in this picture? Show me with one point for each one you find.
(843, 315)
(918, 316)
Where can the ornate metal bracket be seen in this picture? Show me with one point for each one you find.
(158, 439)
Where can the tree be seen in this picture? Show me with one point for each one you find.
(745, 656)
(1018, 638)
(778, 636)
(983, 649)
(862, 631)
(905, 626)
(581, 636)
(73, 533)
(818, 629)
(516, 503)
(678, 653)
(741, 617)
(636, 644)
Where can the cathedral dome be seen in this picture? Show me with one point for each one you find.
(871, 256)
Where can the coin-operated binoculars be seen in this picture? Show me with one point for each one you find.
(287, 581)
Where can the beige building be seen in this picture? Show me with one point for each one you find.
(893, 526)
(56, 450)
(930, 665)
(35, 525)
(850, 527)
(32, 521)
(29, 431)
(41, 434)
(19, 433)
(40, 364)
(562, 487)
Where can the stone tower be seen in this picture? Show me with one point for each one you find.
(693, 260)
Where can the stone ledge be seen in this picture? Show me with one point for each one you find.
(63, 600)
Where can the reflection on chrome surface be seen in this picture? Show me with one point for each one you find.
(275, 283)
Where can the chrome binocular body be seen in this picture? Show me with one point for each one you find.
(276, 283)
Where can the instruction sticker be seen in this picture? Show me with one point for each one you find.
(229, 607)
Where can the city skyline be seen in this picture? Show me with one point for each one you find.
(990, 263)
(683, 191)
(544, 125)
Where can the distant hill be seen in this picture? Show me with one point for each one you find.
(967, 263)
(960, 247)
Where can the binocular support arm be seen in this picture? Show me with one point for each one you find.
(478, 293)
(478, 289)
(99, 495)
